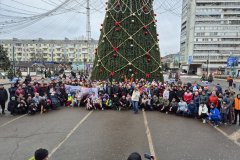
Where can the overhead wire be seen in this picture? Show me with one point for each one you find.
(10, 23)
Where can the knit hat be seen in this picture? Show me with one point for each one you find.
(41, 154)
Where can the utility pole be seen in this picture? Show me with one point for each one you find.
(88, 21)
(13, 57)
(52, 58)
(207, 64)
(88, 29)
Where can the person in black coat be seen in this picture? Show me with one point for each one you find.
(3, 98)
(28, 79)
(179, 94)
(12, 106)
(115, 102)
(172, 94)
(12, 90)
(30, 89)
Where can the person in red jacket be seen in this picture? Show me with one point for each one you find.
(187, 97)
(213, 99)
(19, 91)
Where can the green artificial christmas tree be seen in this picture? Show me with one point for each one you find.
(4, 60)
(128, 45)
(19, 73)
(10, 74)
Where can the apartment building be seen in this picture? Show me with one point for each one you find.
(41, 50)
(210, 33)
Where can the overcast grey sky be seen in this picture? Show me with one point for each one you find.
(73, 25)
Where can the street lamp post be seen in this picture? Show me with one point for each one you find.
(13, 57)
(207, 64)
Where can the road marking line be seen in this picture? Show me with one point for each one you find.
(230, 137)
(13, 120)
(69, 134)
(149, 137)
(236, 135)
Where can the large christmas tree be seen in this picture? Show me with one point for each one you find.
(128, 45)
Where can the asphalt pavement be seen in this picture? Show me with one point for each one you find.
(77, 134)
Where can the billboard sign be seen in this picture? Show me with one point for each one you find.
(232, 62)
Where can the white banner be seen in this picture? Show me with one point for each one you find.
(91, 91)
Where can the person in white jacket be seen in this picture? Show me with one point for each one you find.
(166, 93)
(203, 112)
(135, 99)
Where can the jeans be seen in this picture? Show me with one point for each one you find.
(215, 120)
(135, 106)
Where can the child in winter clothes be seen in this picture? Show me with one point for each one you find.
(69, 100)
(123, 103)
(173, 106)
(165, 105)
(191, 109)
(182, 108)
(203, 112)
(224, 112)
(155, 102)
(214, 115)
(115, 102)
(144, 102)
(98, 103)
(79, 97)
(74, 101)
(12, 105)
(89, 104)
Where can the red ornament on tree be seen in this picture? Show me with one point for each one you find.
(115, 55)
(112, 74)
(148, 60)
(145, 27)
(146, 33)
(117, 23)
(115, 49)
(147, 75)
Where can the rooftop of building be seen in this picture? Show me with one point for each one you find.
(47, 41)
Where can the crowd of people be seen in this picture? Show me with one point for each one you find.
(183, 99)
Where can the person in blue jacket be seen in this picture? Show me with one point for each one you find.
(191, 108)
(214, 115)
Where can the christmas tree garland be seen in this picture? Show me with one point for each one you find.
(103, 59)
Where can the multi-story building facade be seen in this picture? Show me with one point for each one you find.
(210, 33)
(172, 61)
(50, 50)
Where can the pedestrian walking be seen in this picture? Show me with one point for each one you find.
(3, 98)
